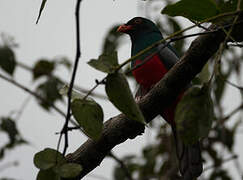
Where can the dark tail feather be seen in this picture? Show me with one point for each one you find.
(189, 156)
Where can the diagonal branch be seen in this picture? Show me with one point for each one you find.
(118, 129)
(37, 96)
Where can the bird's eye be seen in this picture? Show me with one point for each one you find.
(138, 21)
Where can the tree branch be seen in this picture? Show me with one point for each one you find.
(78, 54)
(118, 129)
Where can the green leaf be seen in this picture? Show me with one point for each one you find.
(228, 6)
(204, 75)
(69, 170)
(48, 158)
(9, 126)
(48, 174)
(111, 40)
(42, 67)
(106, 62)
(49, 90)
(7, 60)
(41, 9)
(194, 114)
(89, 115)
(120, 95)
(191, 9)
(64, 61)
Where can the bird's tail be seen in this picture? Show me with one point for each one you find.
(189, 157)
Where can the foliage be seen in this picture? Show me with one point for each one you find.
(8, 127)
(188, 9)
(53, 165)
(7, 59)
(190, 123)
(89, 115)
(120, 95)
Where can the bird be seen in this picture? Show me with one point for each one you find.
(147, 70)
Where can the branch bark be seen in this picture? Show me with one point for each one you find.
(118, 129)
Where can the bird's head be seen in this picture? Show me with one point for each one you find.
(138, 26)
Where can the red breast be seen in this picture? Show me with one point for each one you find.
(150, 72)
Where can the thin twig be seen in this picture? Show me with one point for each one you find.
(230, 83)
(199, 25)
(223, 161)
(76, 87)
(231, 114)
(78, 54)
(95, 86)
(70, 129)
(36, 96)
(123, 166)
(22, 107)
(224, 43)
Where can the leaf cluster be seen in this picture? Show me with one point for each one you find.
(53, 166)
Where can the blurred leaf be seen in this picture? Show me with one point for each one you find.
(2, 152)
(149, 154)
(119, 174)
(220, 174)
(69, 170)
(226, 135)
(213, 153)
(106, 62)
(7, 59)
(48, 174)
(219, 86)
(228, 6)
(120, 95)
(191, 9)
(111, 40)
(49, 90)
(48, 158)
(8, 126)
(64, 61)
(194, 114)
(42, 67)
(89, 115)
(41, 9)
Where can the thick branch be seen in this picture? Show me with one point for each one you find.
(118, 129)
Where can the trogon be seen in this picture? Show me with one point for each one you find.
(148, 69)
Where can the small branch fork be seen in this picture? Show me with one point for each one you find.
(78, 54)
